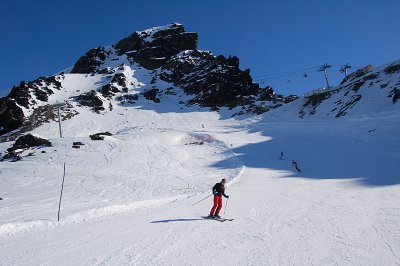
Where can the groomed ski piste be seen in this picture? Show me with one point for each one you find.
(130, 199)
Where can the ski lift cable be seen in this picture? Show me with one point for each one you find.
(304, 72)
(286, 72)
(285, 76)
(293, 71)
(281, 76)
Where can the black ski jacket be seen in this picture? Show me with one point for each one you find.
(219, 190)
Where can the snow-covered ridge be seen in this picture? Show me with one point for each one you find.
(148, 33)
(155, 64)
(371, 93)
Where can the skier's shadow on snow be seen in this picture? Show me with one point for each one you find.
(177, 220)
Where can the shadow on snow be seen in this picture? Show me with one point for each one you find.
(334, 150)
(177, 220)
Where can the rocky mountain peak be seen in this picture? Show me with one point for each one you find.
(153, 47)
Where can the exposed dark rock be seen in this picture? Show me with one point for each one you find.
(76, 146)
(120, 79)
(357, 85)
(129, 44)
(91, 99)
(20, 94)
(78, 143)
(350, 104)
(392, 69)
(358, 73)
(267, 94)
(100, 136)
(313, 101)
(151, 95)
(290, 98)
(11, 115)
(395, 94)
(195, 143)
(108, 90)
(90, 61)
(383, 86)
(370, 77)
(128, 98)
(212, 81)
(28, 141)
(152, 48)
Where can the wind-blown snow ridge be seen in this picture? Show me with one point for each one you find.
(85, 216)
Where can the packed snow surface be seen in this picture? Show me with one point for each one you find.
(135, 197)
(138, 196)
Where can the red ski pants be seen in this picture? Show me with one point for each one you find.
(217, 205)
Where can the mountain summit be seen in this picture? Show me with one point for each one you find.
(155, 64)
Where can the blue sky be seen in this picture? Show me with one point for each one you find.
(40, 38)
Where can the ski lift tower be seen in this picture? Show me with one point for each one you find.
(324, 69)
(58, 105)
(344, 69)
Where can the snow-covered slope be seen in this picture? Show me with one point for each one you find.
(367, 92)
(137, 197)
(129, 199)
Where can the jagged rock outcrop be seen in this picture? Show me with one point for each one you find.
(11, 115)
(213, 81)
(90, 61)
(358, 73)
(29, 141)
(25, 96)
(364, 86)
(91, 99)
(100, 136)
(152, 48)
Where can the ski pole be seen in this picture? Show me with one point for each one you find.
(226, 205)
(202, 199)
(59, 203)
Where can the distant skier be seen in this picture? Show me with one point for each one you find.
(294, 164)
(281, 155)
(218, 191)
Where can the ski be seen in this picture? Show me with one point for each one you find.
(224, 219)
(217, 219)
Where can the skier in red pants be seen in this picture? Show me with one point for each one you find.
(218, 191)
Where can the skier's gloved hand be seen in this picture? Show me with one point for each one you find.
(227, 196)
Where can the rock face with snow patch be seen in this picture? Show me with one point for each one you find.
(29, 140)
(168, 54)
(160, 63)
(365, 90)
(214, 81)
(25, 96)
(152, 48)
